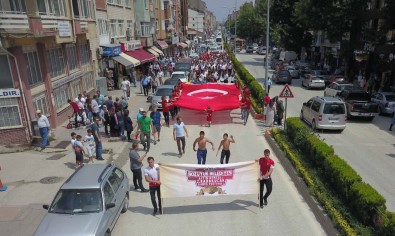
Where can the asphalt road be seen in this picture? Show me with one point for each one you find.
(367, 146)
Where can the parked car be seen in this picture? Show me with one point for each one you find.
(335, 88)
(88, 203)
(181, 75)
(261, 50)
(163, 90)
(324, 113)
(288, 56)
(249, 49)
(359, 104)
(313, 81)
(336, 78)
(255, 46)
(282, 76)
(293, 71)
(386, 102)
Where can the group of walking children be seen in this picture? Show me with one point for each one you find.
(77, 144)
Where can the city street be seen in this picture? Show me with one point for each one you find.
(287, 212)
(367, 146)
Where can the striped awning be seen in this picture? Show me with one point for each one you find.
(126, 60)
(158, 50)
(152, 51)
(183, 45)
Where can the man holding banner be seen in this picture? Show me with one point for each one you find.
(151, 174)
(266, 166)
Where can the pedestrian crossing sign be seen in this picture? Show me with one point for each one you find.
(286, 92)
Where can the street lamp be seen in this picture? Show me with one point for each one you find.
(267, 47)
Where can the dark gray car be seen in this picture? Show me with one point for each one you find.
(282, 76)
(88, 203)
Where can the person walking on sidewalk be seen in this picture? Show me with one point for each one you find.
(90, 145)
(125, 85)
(96, 135)
(179, 133)
(135, 167)
(166, 110)
(44, 126)
(145, 127)
(245, 108)
(225, 144)
(392, 122)
(266, 166)
(156, 118)
(201, 152)
(128, 125)
(151, 174)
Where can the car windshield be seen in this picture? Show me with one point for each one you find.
(362, 96)
(283, 73)
(182, 66)
(77, 201)
(164, 92)
(177, 76)
(344, 86)
(171, 82)
(334, 108)
(317, 78)
(390, 97)
(316, 72)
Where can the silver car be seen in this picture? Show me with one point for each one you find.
(88, 203)
(165, 91)
(313, 81)
(386, 101)
(325, 113)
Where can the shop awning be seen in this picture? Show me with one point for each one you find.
(183, 45)
(162, 44)
(157, 50)
(152, 51)
(141, 55)
(126, 60)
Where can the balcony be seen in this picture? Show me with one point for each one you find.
(15, 22)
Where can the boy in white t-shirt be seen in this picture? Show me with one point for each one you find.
(90, 144)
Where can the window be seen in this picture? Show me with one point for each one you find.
(146, 4)
(83, 9)
(6, 77)
(119, 2)
(145, 29)
(52, 7)
(40, 103)
(103, 26)
(108, 193)
(9, 113)
(127, 3)
(75, 88)
(116, 179)
(61, 96)
(120, 30)
(56, 61)
(13, 5)
(113, 28)
(316, 106)
(33, 68)
(71, 53)
(84, 54)
(88, 82)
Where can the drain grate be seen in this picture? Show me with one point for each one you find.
(56, 157)
(62, 144)
(50, 180)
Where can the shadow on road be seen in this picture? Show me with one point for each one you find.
(237, 205)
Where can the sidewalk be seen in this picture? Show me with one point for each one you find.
(62, 134)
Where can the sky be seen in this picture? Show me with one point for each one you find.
(221, 8)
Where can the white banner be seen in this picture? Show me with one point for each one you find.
(187, 180)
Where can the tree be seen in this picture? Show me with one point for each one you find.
(249, 23)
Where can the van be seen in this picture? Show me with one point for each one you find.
(325, 113)
(184, 64)
(288, 56)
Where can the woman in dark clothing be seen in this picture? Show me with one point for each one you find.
(113, 123)
(121, 124)
(128, 124)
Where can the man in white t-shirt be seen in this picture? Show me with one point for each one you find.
(160, 76)
(179, 133)
(151, 173)
(125, 85)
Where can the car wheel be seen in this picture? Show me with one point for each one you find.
(125, 204)
(313, 125)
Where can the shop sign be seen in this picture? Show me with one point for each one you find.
(132, 45)
(111, 51)
(64, 29)
(175, 40)
(9, 93)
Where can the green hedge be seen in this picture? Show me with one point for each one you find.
(245, 78)
(364, 201)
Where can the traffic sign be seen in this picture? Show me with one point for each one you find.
(286, 92)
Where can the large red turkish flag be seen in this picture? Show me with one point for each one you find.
(219, 97)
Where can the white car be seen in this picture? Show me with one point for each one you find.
(313, 81)
(335, 88)
(179, 75)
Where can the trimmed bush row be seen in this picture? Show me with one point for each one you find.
(245, 78)
(335, 215)
(366, 204)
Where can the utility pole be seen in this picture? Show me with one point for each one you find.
(235, 25)
(267, 46)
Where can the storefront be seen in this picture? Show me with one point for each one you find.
(164, 47)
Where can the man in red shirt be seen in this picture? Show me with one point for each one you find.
(246, 91)
(166, 109)
(266, 166)
(76, 112)
(245, 108)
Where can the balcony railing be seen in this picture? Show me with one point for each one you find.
(14, 20)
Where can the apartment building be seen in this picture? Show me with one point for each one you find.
(45, 59)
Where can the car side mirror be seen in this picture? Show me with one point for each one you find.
(46, 207)
(304, 104)
(110, 205)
